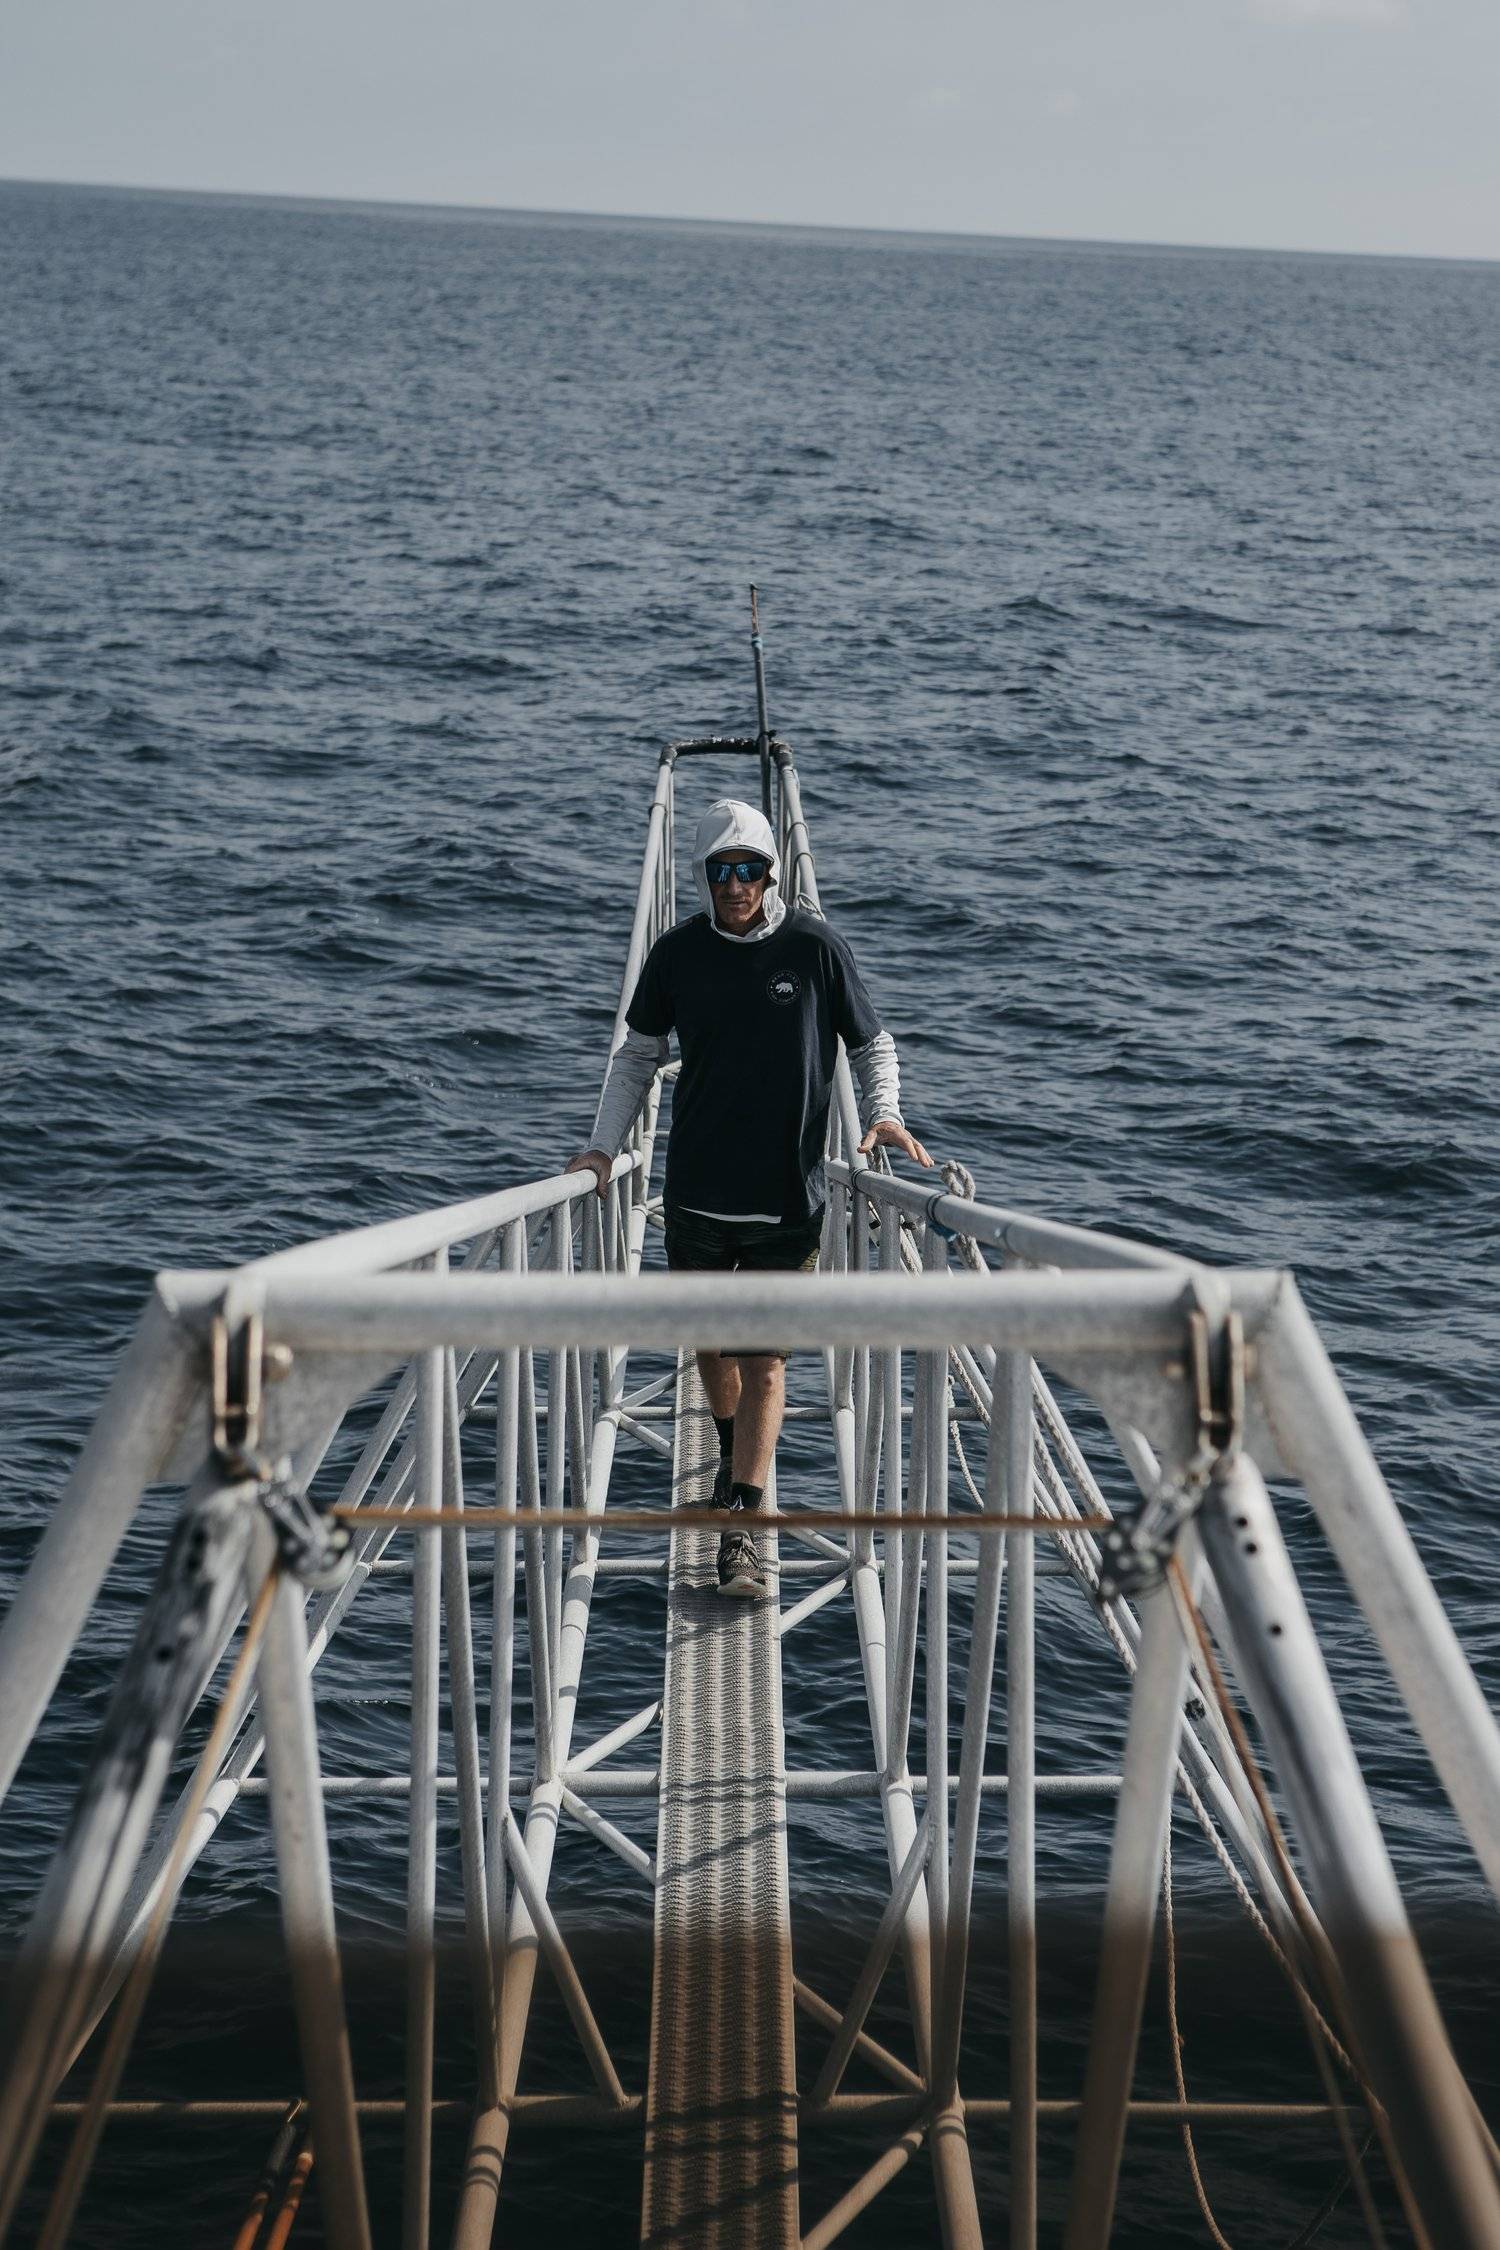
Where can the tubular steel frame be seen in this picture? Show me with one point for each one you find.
(1206, 1379)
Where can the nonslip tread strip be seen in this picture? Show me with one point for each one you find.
(721, 2102)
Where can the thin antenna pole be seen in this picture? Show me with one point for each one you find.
(762, 723)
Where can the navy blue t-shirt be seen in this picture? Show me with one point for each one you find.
(758, 1028)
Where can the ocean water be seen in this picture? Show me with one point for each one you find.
(1132, 615)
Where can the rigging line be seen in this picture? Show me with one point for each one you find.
(963, 1463)
(1178, 2078)
(1314, 2226)
(1195, 1631)
(1246, 1898)
(1328, 2206)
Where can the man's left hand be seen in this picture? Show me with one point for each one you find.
(888, 1134)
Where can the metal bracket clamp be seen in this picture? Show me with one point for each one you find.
(241, 1363)
(313, 1548)
(237, 1367)
(1134, 1552)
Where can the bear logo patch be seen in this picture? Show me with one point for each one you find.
(784, 986)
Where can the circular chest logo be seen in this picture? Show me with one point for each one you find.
(784, 986)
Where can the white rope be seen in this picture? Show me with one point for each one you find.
(1178, 2078)
(959, 1180)
(963, 1462)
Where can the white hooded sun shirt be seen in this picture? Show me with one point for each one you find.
(758, 1019)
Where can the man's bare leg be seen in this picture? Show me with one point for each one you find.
(721, 1380)
(757, 1420)
(754, 1392)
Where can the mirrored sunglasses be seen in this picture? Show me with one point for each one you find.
(742, 870)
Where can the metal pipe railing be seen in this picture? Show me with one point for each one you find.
(391, 1243)
(1021, 1234)
(1124, 1316)
(1049, 1313)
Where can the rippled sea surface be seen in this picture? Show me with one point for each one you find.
(1132, 614)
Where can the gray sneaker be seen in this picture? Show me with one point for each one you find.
(741, 1571)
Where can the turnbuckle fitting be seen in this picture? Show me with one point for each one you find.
(316, 1549)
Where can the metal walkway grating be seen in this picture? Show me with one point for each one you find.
(721, 2105)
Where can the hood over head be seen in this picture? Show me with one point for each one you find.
(727, 829)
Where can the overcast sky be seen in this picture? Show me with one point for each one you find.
(1309, 124)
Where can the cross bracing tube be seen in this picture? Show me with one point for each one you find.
(877, 1960)
(502, 1653)
(1019, 1551)
(568, 2110)
(1129, 1919)
(935, 1652)
(468, 1778)
(816, 1784)
(306, 1888)
(561, 1962)
(1110, 1317)
(421, 1895)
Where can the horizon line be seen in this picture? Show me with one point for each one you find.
(974, 236)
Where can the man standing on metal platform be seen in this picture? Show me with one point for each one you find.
(759, 995)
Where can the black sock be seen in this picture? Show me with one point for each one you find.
(746, 1495)
(724, 1424)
